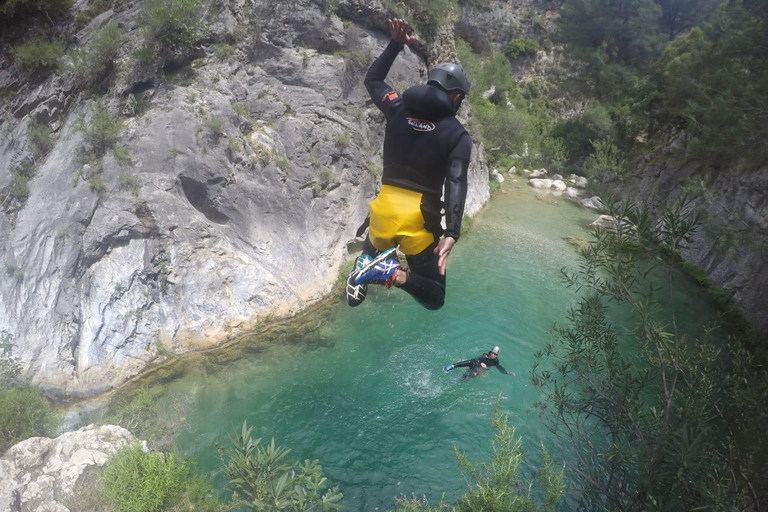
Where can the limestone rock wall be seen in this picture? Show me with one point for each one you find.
(731, 244)
(247, 176)
(41, 473)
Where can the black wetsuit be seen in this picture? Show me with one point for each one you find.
(426, 149)
(475, 365)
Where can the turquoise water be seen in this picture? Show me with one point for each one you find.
(366, 394)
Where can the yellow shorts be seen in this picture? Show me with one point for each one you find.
(396, 219)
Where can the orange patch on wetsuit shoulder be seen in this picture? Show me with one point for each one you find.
(391, 96)
(396, 219)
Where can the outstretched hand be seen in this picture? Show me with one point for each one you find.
(399, 30)
(442, 250)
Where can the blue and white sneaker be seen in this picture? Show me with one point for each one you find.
(356, 293)
(381, 270)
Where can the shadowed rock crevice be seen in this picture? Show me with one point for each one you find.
(197, 195)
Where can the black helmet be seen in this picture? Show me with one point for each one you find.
(450, 77)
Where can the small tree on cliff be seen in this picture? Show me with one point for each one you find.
(655, 418)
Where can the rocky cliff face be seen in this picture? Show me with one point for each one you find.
(238, 185)
(731, 244)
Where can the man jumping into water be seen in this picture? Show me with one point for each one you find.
(426, 149)
(479, 364)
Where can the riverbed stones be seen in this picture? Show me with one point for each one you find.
(540, 183)
(593, 203)
(39, 474)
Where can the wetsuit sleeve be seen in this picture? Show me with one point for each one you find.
(501, 369)
(382, 94)
(456, 185)
(463, 364)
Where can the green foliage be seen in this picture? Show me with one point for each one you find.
(224, 52)
(176, 25)
(715, 83)
(215, 125)
(554, 156)
(121, 155)
(137, 481)
(91, 65)
(578, 132)
(93, 9)
(26, 11)
(240, 109)
(656, 418)
(627, 32)
(497, 483)
(521, 47)
(24, 411)
(263, 479)
(101, 130)
(40, 141)
(426, 15)
(498, 486)
(38, 54)
(20, 178)
(341, 140)
(500, 126)
(605, 161)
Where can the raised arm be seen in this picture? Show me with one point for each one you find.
(382, 94)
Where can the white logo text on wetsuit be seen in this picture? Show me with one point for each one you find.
(420, 125)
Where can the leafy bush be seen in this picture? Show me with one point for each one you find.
(91, 65)
(553, 154)
(663, 417)
(101, 130)
(264, 480)
(606, 161)
(24, 411)
(137, 481)
(40, 141)
(497, 484)
(20, 177)
(175, 24)
(25, 11)
(521, 47)
(38, 54)
(578, 132)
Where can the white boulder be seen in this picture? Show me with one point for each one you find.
(559, 185)
(538, 173)
(557, 177)
(593, 203)
(573, 193)
(41, 473)
(512, 170)
(580, 182)
(540, 183)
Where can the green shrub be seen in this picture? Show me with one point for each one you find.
(553, 154)
(102, 130)
(606, 160)
(521, 47)
(38, 54)
(215, 125)
(95, 7)
(498, 486)
(40, 141)
(20, 178)
(224, 52)
(91, 65)
(25, 11)
(24, 411)
(578, 132)
(175, 24)
(264, 480)
(137, 481)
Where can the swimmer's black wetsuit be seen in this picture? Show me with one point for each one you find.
(475, 365)
(425, 149)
